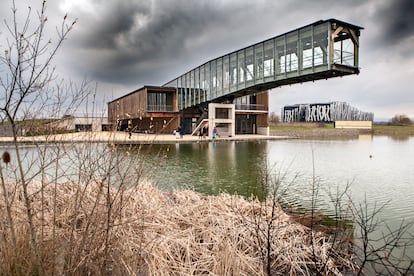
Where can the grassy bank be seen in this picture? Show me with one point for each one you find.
(327, 131)
(389, 130)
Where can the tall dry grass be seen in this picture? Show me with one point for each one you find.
(150, 232)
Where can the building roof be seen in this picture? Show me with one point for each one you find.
(162, 88)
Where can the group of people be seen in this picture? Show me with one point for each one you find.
(202, 133)
(179, 132)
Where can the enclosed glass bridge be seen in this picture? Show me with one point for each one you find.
(321, 50)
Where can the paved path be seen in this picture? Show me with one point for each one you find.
(123, 138)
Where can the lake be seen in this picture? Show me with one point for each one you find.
(377, 168)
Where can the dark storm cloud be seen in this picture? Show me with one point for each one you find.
(127, 37)
(396, 19)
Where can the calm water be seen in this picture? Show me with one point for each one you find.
(378, 169)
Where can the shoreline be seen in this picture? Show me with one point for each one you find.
(124, 138)
(274, 134)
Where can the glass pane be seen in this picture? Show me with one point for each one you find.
(268, 64)
(233, 70)
(249, 68)
(187, 88)
(306, 48)
(348, 52)
(208, 81)
(180, 93)
(213, 79)
(292, 52)
(192, 88)
(226, 74)
(197, 85)
(219, 76)
(241, 69)
(320, 45)
(202, 83)
(281, 57)
(259, 61)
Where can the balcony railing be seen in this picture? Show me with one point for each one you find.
(160, 108)
(257, 107)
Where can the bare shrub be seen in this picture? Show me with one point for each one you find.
(401, 120)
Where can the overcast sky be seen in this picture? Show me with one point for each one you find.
(123, 45)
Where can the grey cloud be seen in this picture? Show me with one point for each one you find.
(168, 32)
(396, 19)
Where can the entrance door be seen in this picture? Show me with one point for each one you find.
(246, 124)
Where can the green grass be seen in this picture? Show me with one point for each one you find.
(33, 122)
(302, 126)
(379, 129)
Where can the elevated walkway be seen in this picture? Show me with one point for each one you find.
(321, 50)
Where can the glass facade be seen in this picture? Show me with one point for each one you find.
(316, 48)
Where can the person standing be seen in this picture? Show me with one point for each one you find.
(204, 132)
(177, 132)
(200, 133)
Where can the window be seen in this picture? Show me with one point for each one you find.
(320, 45)
(219, 76)
(268, 63)
(226, 74)
(160, 102)
(249, 69)
(259, 61)
(344, 51)
(280, 50)
(240, 67)
(306, 48)
(222, 113)
(233, 69)
(291, 57)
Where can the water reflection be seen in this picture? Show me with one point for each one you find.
(378, 168)
(209, 167)
(374, 167)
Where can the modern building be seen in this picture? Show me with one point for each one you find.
(80, 124)
(324, 112)
(230, 93)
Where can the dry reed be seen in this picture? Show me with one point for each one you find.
(150, 232)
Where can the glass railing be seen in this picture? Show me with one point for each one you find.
(160, 108)
(250, 107)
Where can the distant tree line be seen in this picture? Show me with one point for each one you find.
(401, 120)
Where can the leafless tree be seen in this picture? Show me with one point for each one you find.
(26, 87)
